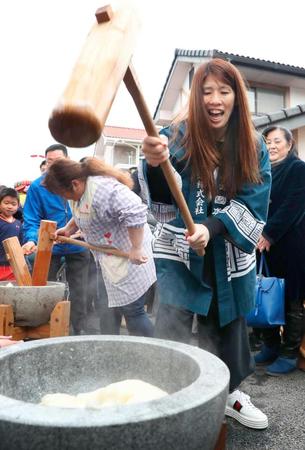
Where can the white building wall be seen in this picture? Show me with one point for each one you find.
(104, 150)
(185, 89)
(108, 154)
(183, 97)
(301, 143)
(116, 151)
(296, 97)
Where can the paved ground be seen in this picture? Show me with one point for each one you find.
(281, 398)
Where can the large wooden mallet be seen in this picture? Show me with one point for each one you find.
(80, 116)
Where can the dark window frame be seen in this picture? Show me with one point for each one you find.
(260, 89)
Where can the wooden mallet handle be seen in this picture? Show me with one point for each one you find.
(136, 93)
(97, 248)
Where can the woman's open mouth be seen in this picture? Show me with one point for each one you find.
(215, 115)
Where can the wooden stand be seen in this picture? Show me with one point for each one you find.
(222, 437)
(58, 325)
(301, 361)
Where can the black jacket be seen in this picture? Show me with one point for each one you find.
(285, 227)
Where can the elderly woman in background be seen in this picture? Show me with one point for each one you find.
(283, 238)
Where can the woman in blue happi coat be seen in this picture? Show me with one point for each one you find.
(224, 173)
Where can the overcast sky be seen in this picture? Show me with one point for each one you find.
(40, 41)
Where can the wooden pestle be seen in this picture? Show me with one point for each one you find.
(44, 253)
(15, 257)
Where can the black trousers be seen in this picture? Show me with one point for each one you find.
(293, 331)
(230, 343)
(292, 335)
(77, 277)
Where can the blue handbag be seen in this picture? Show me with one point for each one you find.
(269, 308)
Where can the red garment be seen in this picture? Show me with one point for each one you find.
(6, 274)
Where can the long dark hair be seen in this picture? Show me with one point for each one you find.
(238, 159)
(63, 171)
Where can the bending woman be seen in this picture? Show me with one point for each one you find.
(108, 213)
(224, 172)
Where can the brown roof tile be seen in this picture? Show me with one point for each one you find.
(136, 134)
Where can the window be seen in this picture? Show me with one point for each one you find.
(191, 76)
(125, 154)
(251, 98)
(265, 101)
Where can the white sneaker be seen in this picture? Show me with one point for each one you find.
(240, 408)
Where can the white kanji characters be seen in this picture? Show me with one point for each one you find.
(200, 200)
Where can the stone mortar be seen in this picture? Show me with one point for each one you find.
(32, 305)
(189, 418)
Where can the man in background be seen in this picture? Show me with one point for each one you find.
(43, 166)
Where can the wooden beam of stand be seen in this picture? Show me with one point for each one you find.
(44, 253)
(222, 437)
(60, 319)
(301, 359)
(15, 257)
(6, 320)
(57, 326)
(97, 248)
